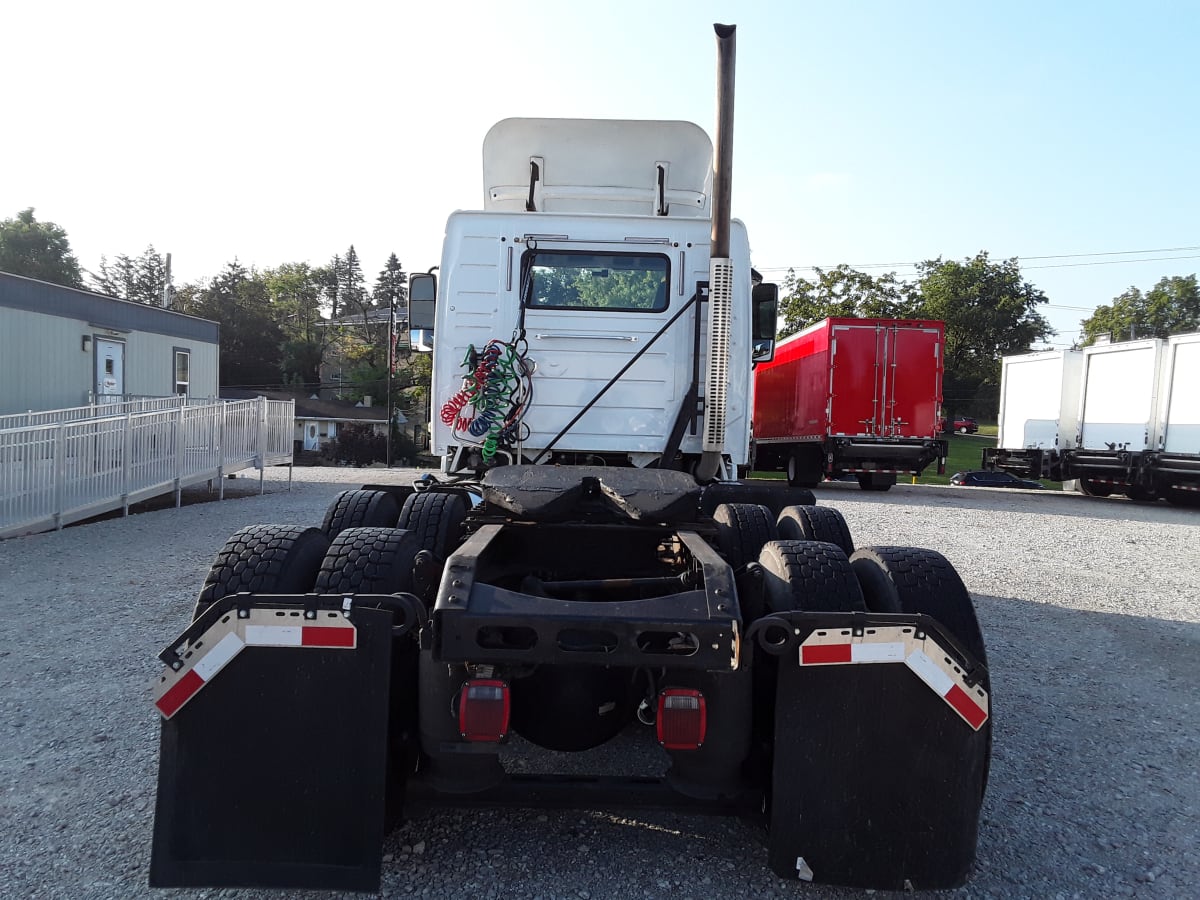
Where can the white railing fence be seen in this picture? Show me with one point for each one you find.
(71, 467)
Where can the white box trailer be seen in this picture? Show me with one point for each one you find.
(1039, 413)
(1117, 418)
(1173, 470)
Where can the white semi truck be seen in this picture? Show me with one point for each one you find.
(582, 568)
(1115, 417)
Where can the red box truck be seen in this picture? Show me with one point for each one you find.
(852, 396)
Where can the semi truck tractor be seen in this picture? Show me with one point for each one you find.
(852, 396)
(1039, 409)
(584, 572)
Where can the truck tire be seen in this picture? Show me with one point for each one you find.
(810, 576)
(742, 530)
(875, 482)
(911, 580)
(771, 494)
(436, 518)
(924, 581)
(1177, 497)
(369, 561)
(355, 509)
(1094, 488)
(803, 469)
(265, 559)
(814, 523)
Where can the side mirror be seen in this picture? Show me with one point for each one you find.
(764, 300)
(422, 296)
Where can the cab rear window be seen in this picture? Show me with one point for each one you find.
(625, 282)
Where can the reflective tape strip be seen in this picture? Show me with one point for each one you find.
(274, 635)
(892, 651)
(215, 659)
(898, 644)
(828, 654)
(202, 670)
(230, 635)
(929, 673)
(179, 693)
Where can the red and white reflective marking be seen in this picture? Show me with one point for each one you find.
(230, 635)
(899, 644)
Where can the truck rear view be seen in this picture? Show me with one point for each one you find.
(855, 397)
(451, 640)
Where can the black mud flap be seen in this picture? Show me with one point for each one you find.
(882, 734)
(274, 751)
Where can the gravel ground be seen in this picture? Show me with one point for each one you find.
(1090, 609)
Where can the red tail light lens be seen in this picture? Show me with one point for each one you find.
(483, 710)
(682, 719)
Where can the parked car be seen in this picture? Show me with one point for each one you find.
(984, 478)
(965, 425)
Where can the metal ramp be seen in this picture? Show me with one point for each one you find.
(63, 466)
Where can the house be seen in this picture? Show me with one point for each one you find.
(62, 347)
(317, 419)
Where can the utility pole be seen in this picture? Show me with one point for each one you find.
(391, 364)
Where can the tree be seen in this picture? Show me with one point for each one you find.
(842, 291)
(391, 287)
(37, 250)
(989, 311)
(140, 279)
(1171, 307)
(295, 291)
(251, 338)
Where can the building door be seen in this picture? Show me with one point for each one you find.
(110, 371)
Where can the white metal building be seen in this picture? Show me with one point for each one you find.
(62, 347)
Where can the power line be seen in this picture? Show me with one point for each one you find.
(907, 265)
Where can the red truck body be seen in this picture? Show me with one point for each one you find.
(852, 396)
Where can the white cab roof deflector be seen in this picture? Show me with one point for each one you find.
(618, 166)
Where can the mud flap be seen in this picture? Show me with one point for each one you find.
(878, 770)
(274, 757)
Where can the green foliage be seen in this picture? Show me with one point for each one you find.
(989, 311)
(37, 250)
(842, 291)
(1171, 307)
(357, 445)
(295, 291)
(391, 286)
(140, 279)
(251, 337)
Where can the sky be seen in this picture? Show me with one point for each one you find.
(876, 134)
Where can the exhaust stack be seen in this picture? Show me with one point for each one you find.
(720, 273)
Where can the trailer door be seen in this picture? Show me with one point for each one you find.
(911, 382)
(856, 379)
(1182, 422)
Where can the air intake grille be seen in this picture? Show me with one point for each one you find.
(720, 307)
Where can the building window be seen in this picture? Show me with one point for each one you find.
(183, 371)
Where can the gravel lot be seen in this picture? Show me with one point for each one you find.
(1090, 609)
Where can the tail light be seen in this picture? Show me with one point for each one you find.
(483, 709)
(682, 719)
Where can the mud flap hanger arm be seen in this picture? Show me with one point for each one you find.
(411, 611)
